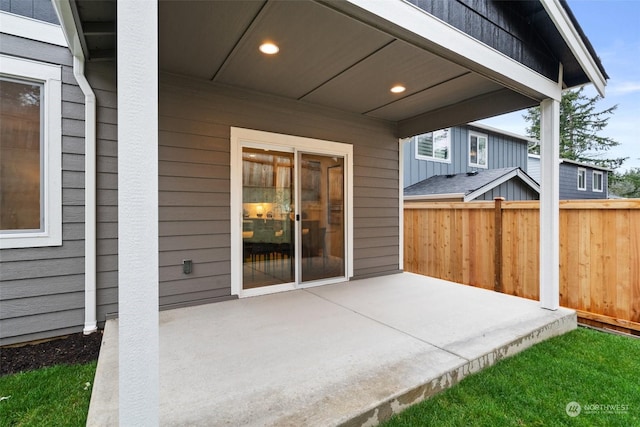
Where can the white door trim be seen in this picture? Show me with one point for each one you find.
(241, 137)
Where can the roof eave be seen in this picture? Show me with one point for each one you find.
(434, 197)
(69, 27)
(575, 39)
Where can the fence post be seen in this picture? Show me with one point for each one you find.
(497, 246)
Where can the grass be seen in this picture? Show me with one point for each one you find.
(55, 396)
(534, 387)
(529, 389)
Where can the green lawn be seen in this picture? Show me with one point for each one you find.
(530, 389)
(533, 388)
(56, 396)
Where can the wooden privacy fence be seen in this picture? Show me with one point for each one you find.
(495, 245)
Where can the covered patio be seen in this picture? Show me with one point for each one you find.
(345, 354)
(184, 89)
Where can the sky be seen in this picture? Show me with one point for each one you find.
(613, 27)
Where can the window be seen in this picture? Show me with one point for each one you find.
(30, 153)
(478, 148)
(434, 146)
(597, 183)
(582, 179)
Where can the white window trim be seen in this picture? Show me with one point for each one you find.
(584, 172)
(478, 135)
(51, 78)
(241, 137)
(593, 182)
(430, 158)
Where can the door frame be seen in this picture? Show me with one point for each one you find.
(252, 138)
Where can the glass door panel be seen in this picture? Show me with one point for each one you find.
(321, 217)
(267, 225)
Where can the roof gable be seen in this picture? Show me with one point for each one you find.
(470, 184)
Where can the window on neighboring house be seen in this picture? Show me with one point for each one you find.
(597, 183)
(30, 153)
(434, 146)
(582, 179)
(478, 150)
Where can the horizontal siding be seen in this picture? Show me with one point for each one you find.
(42, 289)
(101, 76)
(569, 183)
(195, 121)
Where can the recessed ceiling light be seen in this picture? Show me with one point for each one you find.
(398, 89)
(269, 48)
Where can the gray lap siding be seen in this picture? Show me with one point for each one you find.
(42, 289)
(194, 183)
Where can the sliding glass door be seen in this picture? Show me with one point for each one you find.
(268, 200)
(290, 203)
(322, 217)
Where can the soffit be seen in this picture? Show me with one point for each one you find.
(326, 57)
(97, 29)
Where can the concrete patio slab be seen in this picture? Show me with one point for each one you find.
(345, 354)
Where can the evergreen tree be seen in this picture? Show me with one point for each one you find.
(580, 124)
(626, 184)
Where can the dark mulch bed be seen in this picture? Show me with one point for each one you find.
(73, 349)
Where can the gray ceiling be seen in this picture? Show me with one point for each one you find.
(326, 57)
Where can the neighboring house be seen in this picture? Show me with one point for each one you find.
(471, 162)
(577, 180)
(225, 173)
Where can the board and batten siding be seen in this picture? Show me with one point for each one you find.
(42, 10)
(498, 24)
(503, 151)
(514, 189)
(42, 289)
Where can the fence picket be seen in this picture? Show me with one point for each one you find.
(495, 245)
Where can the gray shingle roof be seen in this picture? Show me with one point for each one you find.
(462, 183)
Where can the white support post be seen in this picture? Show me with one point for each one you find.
(138, 213)
(550, 204)
(401, 203)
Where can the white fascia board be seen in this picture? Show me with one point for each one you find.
(434, 197)
(32, 29)
(586, 165)
(504, 178)
(526, 178)
(570, 34)
(69, 29)
(503, 132)
(461, 48)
